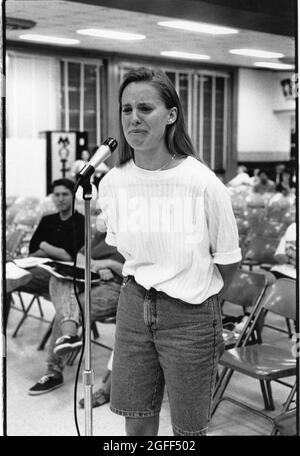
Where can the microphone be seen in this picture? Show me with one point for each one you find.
(101, 154)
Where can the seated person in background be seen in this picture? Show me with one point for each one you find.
(58, 236)
(285, 254)
(254, 180)
(285, 182)
(242, 178)
(104, 300)
(279, 172)
(282, 199)
(265, 185)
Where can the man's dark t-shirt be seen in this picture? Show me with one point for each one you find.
(59, 233)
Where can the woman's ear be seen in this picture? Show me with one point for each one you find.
(172, 117)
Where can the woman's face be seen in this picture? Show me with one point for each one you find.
(145, 116)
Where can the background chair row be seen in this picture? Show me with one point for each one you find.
(262, 360)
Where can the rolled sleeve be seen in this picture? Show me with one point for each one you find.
(111, 239)
(222, 227)
(227, 257)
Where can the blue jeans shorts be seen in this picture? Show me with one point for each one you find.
(162, 341)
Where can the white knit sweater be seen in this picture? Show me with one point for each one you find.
(171, 226)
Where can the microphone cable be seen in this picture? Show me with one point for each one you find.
(81, 314)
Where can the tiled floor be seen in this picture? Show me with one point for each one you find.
(52, 414)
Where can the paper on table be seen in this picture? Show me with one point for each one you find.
(54, 273)
(30, 262)
(68, 276)
(14, 272)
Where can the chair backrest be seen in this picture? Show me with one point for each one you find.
(268, 228)
(289, 216)
(281, 298)
(13, 241)
(243, 225)
(246, 288)
(261, 249)
(254, 215)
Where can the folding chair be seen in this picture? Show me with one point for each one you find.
(265, 362)
(260, 251)
(14, 238)
(245, 292)
(46, 335)
(285, 423)
(277, 213)
(254, 215)
(25, 310)
(268, 229)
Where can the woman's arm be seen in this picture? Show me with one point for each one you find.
(227, 272)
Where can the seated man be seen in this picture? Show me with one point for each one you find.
(58, 236)
(104, 300)
(264, 185)
(285, 255)
(242, 178)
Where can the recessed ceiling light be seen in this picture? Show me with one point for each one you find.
(199, 27)
(274, 65)
(256, 53)
(185, 55)
(48, 39)
(112, 34)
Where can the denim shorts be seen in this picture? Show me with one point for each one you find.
(162, 341)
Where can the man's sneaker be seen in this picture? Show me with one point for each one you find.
(47, 383)
(67, 344)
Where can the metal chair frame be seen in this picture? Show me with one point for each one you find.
(265, 383)
(249, 301)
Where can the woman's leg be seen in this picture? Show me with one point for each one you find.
(142, 426)
(189, 343)
(137, 379)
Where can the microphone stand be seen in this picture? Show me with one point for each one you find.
(88, 373)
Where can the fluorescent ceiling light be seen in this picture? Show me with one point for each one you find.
(199, 27)
(112, 34)
(49, 39)
(185, 55)
(274, 65)
(256, 53)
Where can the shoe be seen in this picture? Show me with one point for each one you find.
(99, 397)
(67, 344)
(47, 383)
